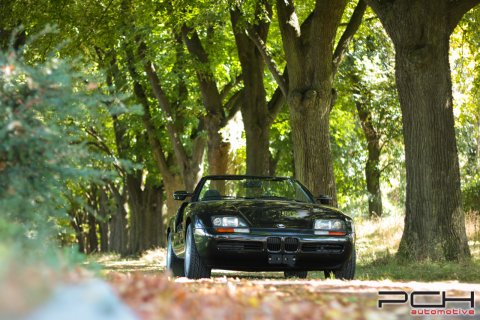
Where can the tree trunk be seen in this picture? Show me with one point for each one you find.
(217, 156)
(257, 141)
(372, 167)
(118, 241)
(273, 163)
(92, 238)
(103, 229)
(310, 120)
(434, 220)
(105, 211)
(152, 218)
(254, 108)
(133, 185)
(372, 176)
(76, 223)
(217, 153)
(309, 51)
(156, 219)
(171, 185)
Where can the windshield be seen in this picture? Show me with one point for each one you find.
(253, 188)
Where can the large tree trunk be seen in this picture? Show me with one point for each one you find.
(152, 198)
(217, 153)
(310, 120)
(372, 167)
(309, 51)
(145, 214)
(434, 221)
(254, 108)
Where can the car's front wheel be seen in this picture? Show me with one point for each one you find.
(347, 272)
(195, 268)
(173, 263)
(296, 274)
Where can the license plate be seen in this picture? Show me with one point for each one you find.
(286, 259)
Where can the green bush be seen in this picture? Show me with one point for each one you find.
(471, 195)
(43, 109)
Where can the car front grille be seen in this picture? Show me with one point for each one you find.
(322, 247)
(234, 246)
(291, 244)
(274, 244)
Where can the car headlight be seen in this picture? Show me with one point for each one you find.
(230, 224)
(333, 227)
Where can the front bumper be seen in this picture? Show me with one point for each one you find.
(273, 250)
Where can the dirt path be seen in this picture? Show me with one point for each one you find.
(156, 296)
(267, 295)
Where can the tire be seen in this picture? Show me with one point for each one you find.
(295, 274)
(195, 268)
(173, 263)
(347, 272)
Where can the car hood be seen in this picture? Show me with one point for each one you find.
(267, 213)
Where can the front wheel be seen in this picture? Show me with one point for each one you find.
(347, 272)
(173, 263)
(295, 274)
(195, 268)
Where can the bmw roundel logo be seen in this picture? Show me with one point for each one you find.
(280, 225)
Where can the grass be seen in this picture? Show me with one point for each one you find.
(377, 244)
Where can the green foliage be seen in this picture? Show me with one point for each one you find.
(281, 145)
(471, 194)
(466, 91)
(43, 110)
(367, 77)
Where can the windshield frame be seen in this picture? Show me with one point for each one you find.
(201, 183)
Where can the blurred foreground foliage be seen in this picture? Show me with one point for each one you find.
(44, 109)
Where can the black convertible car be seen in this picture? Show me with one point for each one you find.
(251, 223)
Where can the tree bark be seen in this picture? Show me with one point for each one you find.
(254, 108)
(76, 222)
(309, 52)
(434, 220)
(310, 120)
(118, 241)
(92, 238)
(372, 167)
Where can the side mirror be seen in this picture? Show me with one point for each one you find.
(181, 195)
(324, 199)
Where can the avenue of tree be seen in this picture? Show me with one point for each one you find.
(354, 98)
